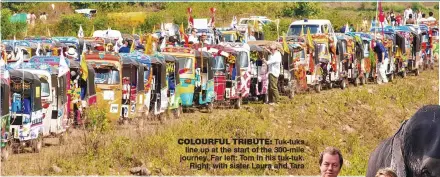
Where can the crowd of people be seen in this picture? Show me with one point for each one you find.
(331, 161)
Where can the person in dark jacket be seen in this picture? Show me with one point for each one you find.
(125, 48)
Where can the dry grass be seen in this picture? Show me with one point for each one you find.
(354, 120)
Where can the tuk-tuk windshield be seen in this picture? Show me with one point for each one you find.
(366, 48)
(229, 37)
(219, 63)
(301, 54)
(425, 38)
(45, 90)
(344, 47)
(106, 76)
(322, 49)
(244, 63)
(185, 63)
(295, 30)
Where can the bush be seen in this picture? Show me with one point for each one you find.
(151, 21)
(8, 28)
(69, 24)
(301, 9)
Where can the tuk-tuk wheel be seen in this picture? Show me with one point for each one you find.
(177, 112)
(357, 82)
(432, 66)
(37, 144)
(238, 103)
(363, 80)
(391, 77)
(403, 74)
(343, 84)
(330, 85)
(62, 138)
(417, 72)
(210, 107)
(5, 153)
(318, 88)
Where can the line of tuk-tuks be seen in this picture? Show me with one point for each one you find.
(38, 101)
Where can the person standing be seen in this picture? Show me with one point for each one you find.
(431, 17)
(274, 65)
(330, 162)
(392, 18)
(406, 14)
(410, 20)
(382, 61)
(398, 19)
(365, 24)
(33, 18)
(423, 19)
(193, 36)
(43, 17)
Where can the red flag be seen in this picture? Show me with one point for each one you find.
(212, 9)
(190, 19)
(381, 14)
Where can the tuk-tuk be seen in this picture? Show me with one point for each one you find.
(411, 56)
(196, 84)
(328, 61)
(145, 95)
(427, 56)
(243, 69)
(82, 92)
(108, 80)
(59, 104)
(173, 83)
(132, 88)
(157, 85)
(367, 63)
(259, 74)
(5, 113)
(26, 122)
(228, 65)
(345, 51)
(72, 47)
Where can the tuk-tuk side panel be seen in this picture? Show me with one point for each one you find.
(219, 87)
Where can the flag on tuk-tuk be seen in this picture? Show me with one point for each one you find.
(83, 64)
(309, 39)
(80, 32)
(190, 19)
(37, 52)
(302, 31)
(93, 30)
(212, 21)
(182, 34)
(285, 46)
(133, 46)
(63, 68)
(256, 27)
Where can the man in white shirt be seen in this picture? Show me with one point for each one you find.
(406, 14)
(252, 37)
(193, 36)
(423, 19)
(273, 65)
(431, 17)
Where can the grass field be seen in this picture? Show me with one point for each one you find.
(354, 120)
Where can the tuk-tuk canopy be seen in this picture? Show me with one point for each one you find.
(69, 39)
(24, 75)
(51, 60)
(268, 43)
(256, 48)
(363, 36)
(129, 61)
(102, 56)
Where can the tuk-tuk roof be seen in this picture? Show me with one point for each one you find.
(256, 48)
(138, 56)
(102, 56)
(364, 36)
(129, 61)
(155, 60)
(67, 39)
(39, 68)
(24, 75)
(41, 39)
(51, 60)
(203, 54)
(423, 28)
(386, 30)
(402, 28)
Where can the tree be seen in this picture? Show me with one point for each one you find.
(301, 9)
